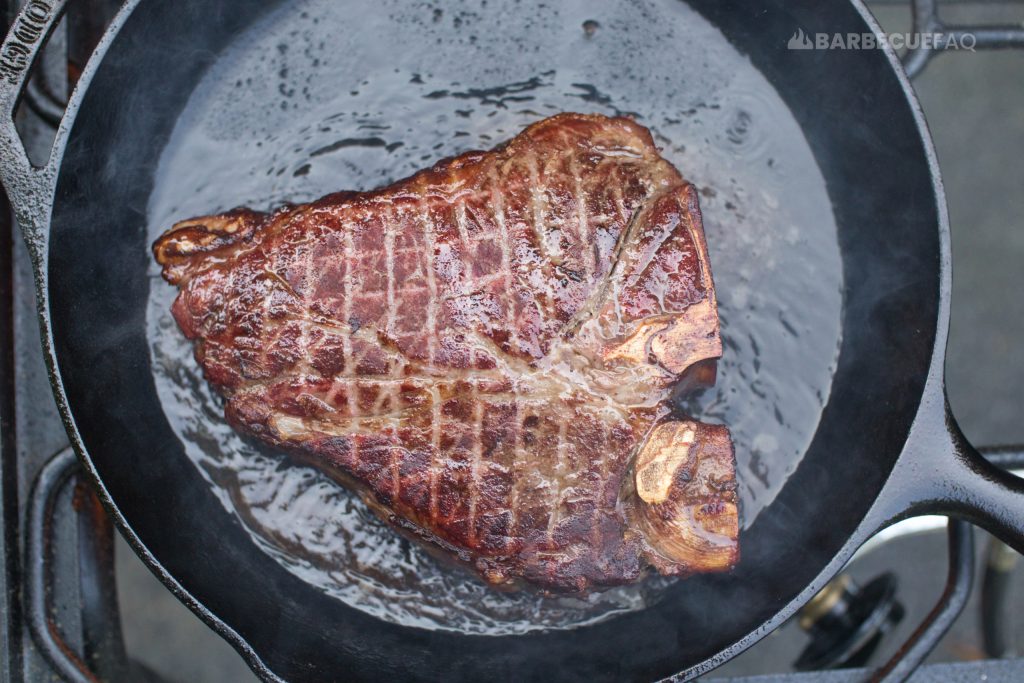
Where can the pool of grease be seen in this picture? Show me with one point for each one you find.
(309, 101)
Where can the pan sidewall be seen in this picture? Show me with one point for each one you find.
(868, 142)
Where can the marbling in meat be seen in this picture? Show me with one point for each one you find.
(487, 351)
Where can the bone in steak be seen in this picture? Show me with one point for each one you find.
(487, 352)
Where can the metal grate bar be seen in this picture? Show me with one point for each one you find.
(926, 19)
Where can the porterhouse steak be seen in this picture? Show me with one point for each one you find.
(487, 352)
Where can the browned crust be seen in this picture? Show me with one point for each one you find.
(202, 235)
(688, 525)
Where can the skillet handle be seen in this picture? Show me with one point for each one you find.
(987, 495)
(29, 187)
(940, 472)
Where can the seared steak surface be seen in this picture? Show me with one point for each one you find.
(486, 352)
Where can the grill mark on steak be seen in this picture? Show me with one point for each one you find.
(498, 202)
(486, 351)
(389, 326)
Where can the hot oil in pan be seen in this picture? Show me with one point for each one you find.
(309, 102)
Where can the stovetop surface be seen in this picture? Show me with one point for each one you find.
(974, 105)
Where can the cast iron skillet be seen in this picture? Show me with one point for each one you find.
(886, 446)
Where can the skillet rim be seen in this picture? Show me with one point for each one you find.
(867, 526)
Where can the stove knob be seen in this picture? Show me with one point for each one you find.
(846, 622)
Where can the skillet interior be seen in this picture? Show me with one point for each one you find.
(251, 142)
(856, 120)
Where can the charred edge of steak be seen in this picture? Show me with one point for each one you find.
(176, 250)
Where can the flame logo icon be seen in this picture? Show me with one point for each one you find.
(800, 41)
